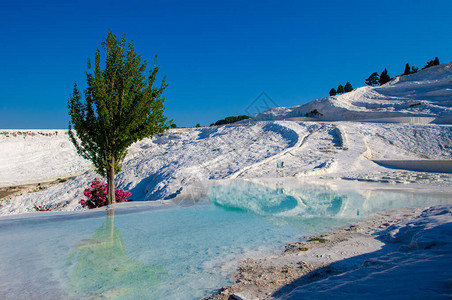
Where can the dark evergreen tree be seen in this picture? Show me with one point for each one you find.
(340, 89)
(414, 69)
(436, 61)
(431, 63)
(384, 77)
(333, 92)
(372, 79)
(348, 87)
(407, 70)
(173, 125)
(232, 119)
(121, 107)
(198, 125)
(314, 113)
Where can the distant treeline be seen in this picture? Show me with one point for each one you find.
(229, 120)
(382, 78)
(341, 89)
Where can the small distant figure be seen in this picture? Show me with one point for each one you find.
(280, 168)
(357, 212)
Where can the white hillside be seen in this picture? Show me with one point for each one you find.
(177, 163)
(427, 93)
(32, 156)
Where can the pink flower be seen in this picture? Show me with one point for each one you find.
(97, 195)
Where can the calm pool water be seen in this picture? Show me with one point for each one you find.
(150, 251)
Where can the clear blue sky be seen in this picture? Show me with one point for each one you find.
(218, 56)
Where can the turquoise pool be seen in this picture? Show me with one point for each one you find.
(148, 250)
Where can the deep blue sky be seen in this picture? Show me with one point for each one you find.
(218, 56)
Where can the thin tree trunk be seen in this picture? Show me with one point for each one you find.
(111, 182)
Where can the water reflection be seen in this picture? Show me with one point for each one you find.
(99, 267)
(295, 199)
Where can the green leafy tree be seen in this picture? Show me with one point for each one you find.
(348, 87)
(340, 89)
(121, 106)
(333, 92)
(384, 77)
(198, 125)
(372, 79)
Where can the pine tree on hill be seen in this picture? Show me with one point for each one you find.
(431, 63)
(348, 87)
(384, 77)
(333, 92)
(414, 69)
(372, 79)
(436, 61)
(407, 70)
(340, 89)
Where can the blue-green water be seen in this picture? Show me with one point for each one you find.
(174, 252)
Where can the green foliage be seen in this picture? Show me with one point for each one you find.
(340, 89)
(372, 79)
(333, 92)
(384, 77)
(173, 125)
(198, 125)
(348, 87)
(121, 106)
(317, 239)
(230, 120)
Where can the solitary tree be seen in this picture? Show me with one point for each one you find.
(333, 92)
(198, 125)
(384, 77)
(407, 69)
(372, 79)
(436, 61)
(340, 89)
(121, 106)
(348, 87)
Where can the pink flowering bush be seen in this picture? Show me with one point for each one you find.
(42, 208)
(97, 195)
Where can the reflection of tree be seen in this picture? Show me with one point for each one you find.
(101, 267)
